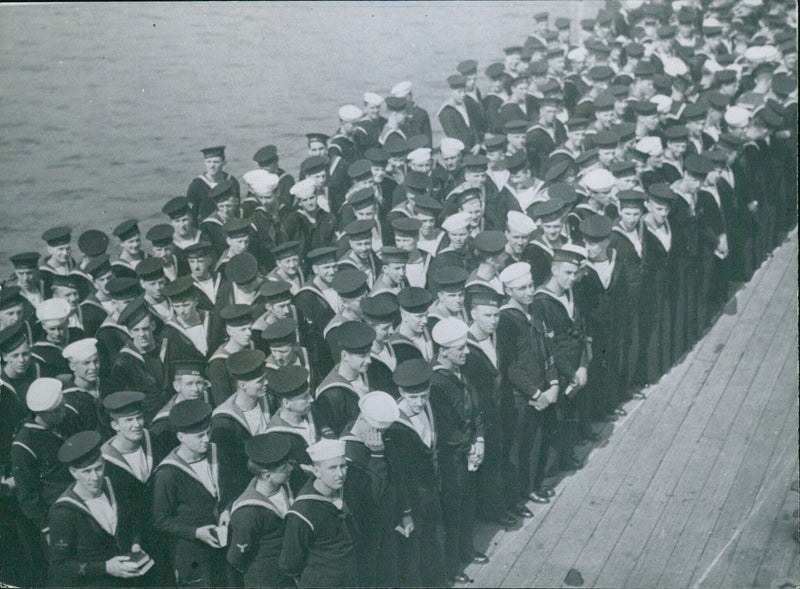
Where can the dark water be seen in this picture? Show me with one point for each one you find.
(103, 107)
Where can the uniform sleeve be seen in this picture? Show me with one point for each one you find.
(220, 382)
(63, 537)
(399, 467)
(28, 486)
(229, 449)
(244, 538)
(327, 413)
(296, 541)
(165, 502)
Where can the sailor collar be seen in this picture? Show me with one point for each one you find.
(174, 460)
(229, 408)
(71, 499)
(114, 456)
(334, 379)
(253, 498)
(569, 306)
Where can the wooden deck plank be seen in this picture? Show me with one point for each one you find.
(676, 454)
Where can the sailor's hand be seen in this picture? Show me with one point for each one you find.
(206, 534)
(122, 566)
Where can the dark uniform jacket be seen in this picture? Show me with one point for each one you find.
(316, 313)
(93, 314)
(336, 404)
(455, 125)
(48, 355)
(459, 420)
(568, 338)
(318, 545)
(145, 373)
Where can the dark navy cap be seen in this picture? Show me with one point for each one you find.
(93, 242)
(515, 126)
(150, 269)
(468, 67)
(237, 227)
(396, 146)
(596, 227)
(475, 162)
(25, 260)
(190, 417)
(561, 23)
(662, 193)
(124, 403)
(467, 195)
(496, 143)
(676, 133)
(237, 315)
(577, 123)
(223, 190)
(414, 299)
(350, 283)
(587, 158)
(644, 107)
(557, 171)
(606, 139)
(74, 280)
(355, 337)
(317, 137)
(698, 165)
(393, 255)
(569, 254)
(322, 255)
(360, 170)
(516, 162)
(280, 333)
(359, 229)
(362, 198)
(80, 450)
(268, 450)
(13, 337)
(133, 313)
(274, 291)
(187, 367)
(214, 151)
(57, 236)
(450, 278)
(413, 375)
(286, 250)
(481, 294)
(600, 73)
(490, 243)
(563, 192)
(176, 207)
(631, 198)
(417, 182)
(266, 155)
(406, 226)
(549, 210)
(695, 111)
(201, 248)
(604, 102)
(538, 68)
(123, 287)
(126, 229)
(376, 155)
(395, 103)
(381, 308)
(495, 71)
(425, 203)
(623, 169)
(288, 381)
(161, 235)
(456, 81)
(180, 288)
(241, 268)
(246, 365)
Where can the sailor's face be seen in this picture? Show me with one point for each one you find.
(130, 427)
(361, 248)
(289, 265)
(56, 332)
(198, 266)
(132, 245)
(414, 321)
(214, 165)
(182, 225)
(90, 477)
(101, 282)
(565, 274)
(413, 403)
(452, 301)
(18, 359)
(242, 335)
(629, 217)
(331, 472)
(154, 288)
(316, 148)
(326, 271)
(142, 334)
(26, 278)
(86, 369)
(60, 254)
(195, 442)
(189, 386)
(552, 229)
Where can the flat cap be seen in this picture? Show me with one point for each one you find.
(10, 296)
(190, 417)
(381, 308)
(93, 242)
(176, 208)
(287, 249)
(312, 165)
(80, 450)
(160, 235)
(376, 155)
(359, 229)
(322, 255)
(631, 198)
(268, 450)
(676, 133)
(124, 403)
(288, 381)
(25, 260)
(133, 313)
(698, 165)
(266, 155)
(237, 227)
(570, 253)
(468, 67)
(396, 103)
(246, 365)
(661, 193)
(13, 336)
(481, 294)
(414, 299)
(57, 236)
(355, 336)
(223, 190)
(214, 151)
(282, 332)
(150, 269)
(413, 375)
(406, 226)
(237, 315)
(199, 249)
(360, 170)
(273, 291)
(417, 182)
(126, 229)
(350, 283)
(394, 255)
(123, 288)
(457, 81)
(181, 287)
(425, 203)
(549, 210)
(622, 169)
(596, 227)
(490, 243)
(516, 162)
(241, 268)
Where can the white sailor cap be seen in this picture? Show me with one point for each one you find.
(752, 3)
(304, 188)
(261, 182)
(81, 350)
(663, 103)
(579, 54)
(326, 449)
(761, 53)
(711, 22)
(450, 332)
(421, 155)
(53, 311)
(44, 394)
(402, 89)
(350, 113)
(451, 147)
(519, 223)
(675, 66)
(379, 409)
(373, 99)
(712, 66)
(650, 145)
(456, 222)
(516, 275)
(599, 180)
(737, 116)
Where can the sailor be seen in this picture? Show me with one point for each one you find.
(140, 365)
(267, 159)
(454, 249)
(397, 113)
(81, 391)
(224, 197)
(198, 259)
(258, 514)
(312, 225)
(243, 415)
(406, 237)
(283, 345)
(370, 492)
(494, 98)
(599, 200)
(238, 233)
(72, 288)
(152, 279)
(92, 243)
(381, 313)
(318, 544)
(130, 244)
(411, 339)
(53, 316)
(188, 336)
(111, 335)
(26, 274)
(518, 231)
(90, 545)
(396, 149)
(287, 260)
(449, 281)
(238, 322)
(187, 506)
(342, 144)
(490, 249)
(427, 211)
(515, 108)
(392, 278)
(241, 282)
(276, 296)
(417, 121)
(454, 116)
(264, 209)
(382, 183)
(337, 396)
(199, 193)
(460, 438)
(371, 124)
(188, 384)
(451, 150)
(351, 286)
(97, 306)
(130, 458)
(411, 448)
(472, 94)
(361, 256)
(160, 237)
(59, 254)
(180, 217)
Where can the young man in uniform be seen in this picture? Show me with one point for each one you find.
(199, 192)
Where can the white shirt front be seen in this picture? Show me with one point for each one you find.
(103, 512)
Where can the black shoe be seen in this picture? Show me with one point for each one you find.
(479, 558)
(537, 498)
(523, 512)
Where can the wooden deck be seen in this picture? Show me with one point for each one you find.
(697, 486)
